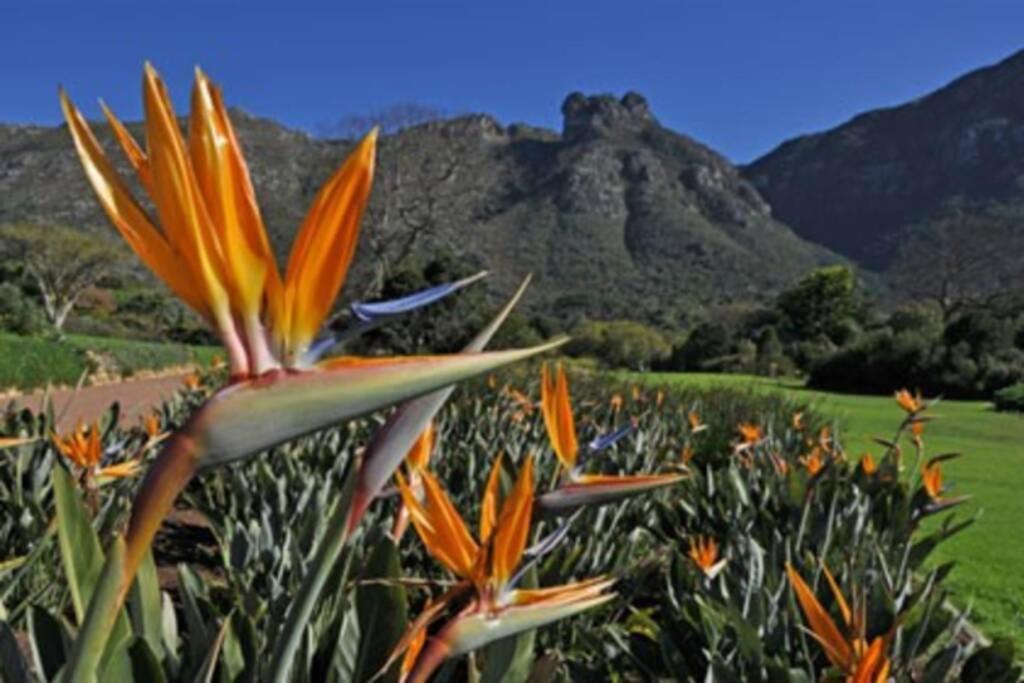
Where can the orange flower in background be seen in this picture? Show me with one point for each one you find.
(558, 417)
(217, 362)
(825, 438)
(868, 464)
(749, 432)
(687, 454)
(847, 651)
(193, 381)
(917, 432)
(704, 554)
(813, 462)
(910, 403)
(931, 480)
(84, 448)
(798, 421)
(693, 418)
(659, 398)
(578, 488)
(616, 402)
(151, 425)
(525, 404)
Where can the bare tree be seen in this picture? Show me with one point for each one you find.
(391, 119)
(962, 260)
(413, 196)
(62, 262)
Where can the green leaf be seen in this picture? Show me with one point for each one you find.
(101, 617)
(291, 635)
(383, 613)
(145, 606)
(80, 549)
(83, 560)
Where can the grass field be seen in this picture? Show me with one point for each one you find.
(32, 362)
(990, 554)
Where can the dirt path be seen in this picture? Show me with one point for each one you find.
(137, 398)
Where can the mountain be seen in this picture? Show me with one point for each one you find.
(857, 188)
(615, 215)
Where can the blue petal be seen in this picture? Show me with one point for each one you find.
(369, 312)
(603, 442)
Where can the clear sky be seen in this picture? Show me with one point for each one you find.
(740, 76)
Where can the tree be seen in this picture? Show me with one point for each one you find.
(61, 262)
(390, 120)
(961, 261)
(823, 302)
(619, 343)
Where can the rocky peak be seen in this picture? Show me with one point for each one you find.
(587, 118)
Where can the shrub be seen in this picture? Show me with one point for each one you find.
(619, 343)
(1010, 398)
(19, 314)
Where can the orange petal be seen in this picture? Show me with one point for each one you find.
(419, 455)
(223, 180)
(416, 641)
(179, 201)
(844, 608)
(513, 526)
(128, 217)
(440, 527)
(581, 590)
(136, 157)
(873, 666)
(489, 505)
(122, 470)
(325, 245)
(822, 627)
(558, 418)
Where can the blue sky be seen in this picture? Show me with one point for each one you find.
(740, 76)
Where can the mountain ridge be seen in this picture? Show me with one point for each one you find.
(861, 186)
(616, 215)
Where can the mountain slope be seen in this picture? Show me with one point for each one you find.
(616, 216)
(857, 187)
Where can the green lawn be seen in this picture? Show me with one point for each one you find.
(990, 554)
(31, 362)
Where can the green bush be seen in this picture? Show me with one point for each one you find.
(19, 314)
(1010, 398)
(619, 343)
(31, 362)
(972, 357)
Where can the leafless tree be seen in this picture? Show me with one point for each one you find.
(413, 190)
(62, 262)
(391, 119)
(962, 260)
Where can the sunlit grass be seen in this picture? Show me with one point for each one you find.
(989, 555)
